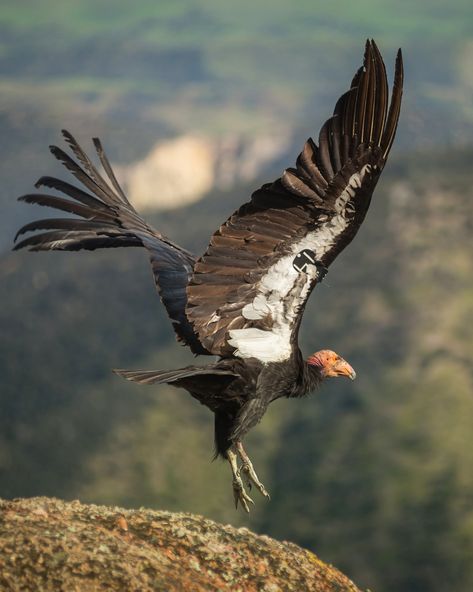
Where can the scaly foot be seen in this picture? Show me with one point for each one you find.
(249, 472)
(239, 493)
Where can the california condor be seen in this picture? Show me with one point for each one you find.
(243, 299)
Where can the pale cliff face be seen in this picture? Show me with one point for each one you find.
(181, 171)
(174, 173)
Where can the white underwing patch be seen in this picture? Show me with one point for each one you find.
(258, 308)
(283, 290)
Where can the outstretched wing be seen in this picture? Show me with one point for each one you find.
(249, 289)
(105, 218)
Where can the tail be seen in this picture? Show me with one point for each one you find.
(105, 218)
(206, 384)
(182, 376)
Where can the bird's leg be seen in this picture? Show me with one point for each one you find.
(239, 492)
(249, 472)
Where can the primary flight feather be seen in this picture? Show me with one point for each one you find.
(244, 298)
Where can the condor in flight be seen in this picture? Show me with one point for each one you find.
(243, 299)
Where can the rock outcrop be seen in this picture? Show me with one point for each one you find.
(48, 544)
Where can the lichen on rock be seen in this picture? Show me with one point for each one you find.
(49, 544)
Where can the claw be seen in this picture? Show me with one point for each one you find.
(240, 495)
(249, 472)
(252, 479)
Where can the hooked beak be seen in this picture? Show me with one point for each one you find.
(343, 368)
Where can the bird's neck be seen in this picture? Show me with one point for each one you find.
(311, 378)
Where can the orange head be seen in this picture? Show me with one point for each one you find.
(331, 364)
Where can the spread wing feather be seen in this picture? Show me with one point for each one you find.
(107, 219)
(247, 295)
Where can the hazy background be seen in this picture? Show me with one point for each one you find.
(198, 104)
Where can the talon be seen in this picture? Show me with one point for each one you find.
(249, 472)
(236, 498)
(246, 473)
(240, 495)
(252, 479)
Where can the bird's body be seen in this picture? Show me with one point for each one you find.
(244, 298)
(238, 391)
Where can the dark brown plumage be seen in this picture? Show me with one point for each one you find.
(243, 299)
